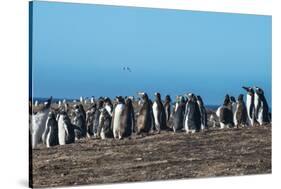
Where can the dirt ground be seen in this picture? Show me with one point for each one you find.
(163, 156)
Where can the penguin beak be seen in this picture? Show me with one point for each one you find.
(246, 88)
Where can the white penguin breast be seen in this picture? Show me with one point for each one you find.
(38, 126)
(176, 108)
(108, 109)
(155, 113)
(117, 115)
(256, 100)
(248, 102)
(61, 130)
(218, 111)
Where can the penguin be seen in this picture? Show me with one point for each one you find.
(167, 106)
(240, 115)
(118, 113)
(39, 122)
(96, 128)
(178, 114)
(250, 104)
(159, 113)
(50, 135)
(90, 120)
(227, 104)
(79, 121)
(66, 130)
(105, 124)
(129, 118)
(203, 113)
(233, 108)
(192, 121)
(144, 119)
(261, 107)
(225, 114)
(82, 110)
(108, 105)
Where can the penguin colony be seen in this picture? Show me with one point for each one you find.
(106, 118)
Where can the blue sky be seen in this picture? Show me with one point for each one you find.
(81, 49)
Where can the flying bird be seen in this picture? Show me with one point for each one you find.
(127, 69)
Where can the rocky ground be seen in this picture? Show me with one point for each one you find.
(164, 156)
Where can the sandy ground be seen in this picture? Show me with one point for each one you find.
(156, 157)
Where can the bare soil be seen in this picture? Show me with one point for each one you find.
(162, 156)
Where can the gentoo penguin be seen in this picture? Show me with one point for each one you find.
(240, 115)
(178, 114)
(192, 122)
(233, 108)
(50, 135)
(144, 119)
(225, 114)
(250, 104)
(39, 122)
(82, 110)
(159, 113)
(203, 113)
(90, 120)
(105, 124)
(66, 129)
(108, 105)
(167, 106)
(79, 121)
(129, 118)
(261, 107)
(96, 128)
(118, 113)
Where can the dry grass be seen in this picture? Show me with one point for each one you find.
(156, 157)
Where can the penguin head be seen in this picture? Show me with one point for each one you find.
(100, 103)
(191, 97)
(168, 98)
(232, 99)
(259, 91)
(199, 99)
(240, 98)
(143, 95)
(181, 99)
(48, 103)
(107, 100)
(226, 100)
(249, 90)
(80, 106)
(120, 100)
(158, 96)
(76, 107)
(51, 115)
(128, 101)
